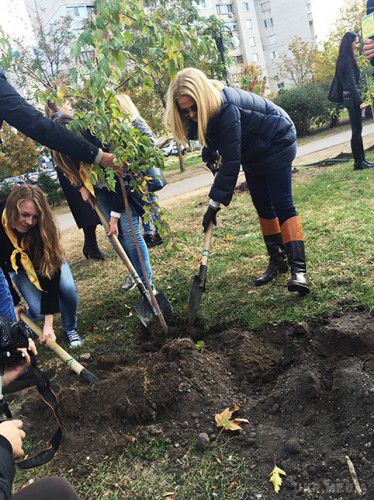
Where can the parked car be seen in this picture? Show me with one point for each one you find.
(171, 149)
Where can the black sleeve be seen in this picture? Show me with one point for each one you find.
(229, 127)
(7, 469)
(349, 84)
(15, 296)
(28, 120)
(50, 303)
(116, 200)
(209, 155)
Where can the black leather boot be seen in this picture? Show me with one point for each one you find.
(278, 260)
(90, 248)
(368, 163)
(296, 260)
(362, 164)
(292, 235)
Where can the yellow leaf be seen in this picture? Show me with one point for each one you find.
(229, 237)
(169, 495)
(224, 420)
(275, 478)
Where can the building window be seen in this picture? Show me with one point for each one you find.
(224, 8)
(73, 11)
(281, 85)
(249, 24)
(269, 22)
(265, 6)
(246, 5)
(238, 59)
(273, 54)
(203, 4)
(232, 26)
(271, 40)
(252, 41)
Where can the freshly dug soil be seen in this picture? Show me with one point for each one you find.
(306, 389)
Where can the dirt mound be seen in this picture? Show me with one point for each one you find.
(307, 390)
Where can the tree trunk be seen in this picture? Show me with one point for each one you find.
(180, 157)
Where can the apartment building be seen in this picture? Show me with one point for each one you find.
(264, 29)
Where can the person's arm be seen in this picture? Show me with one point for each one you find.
(230, 149)
(347, 79)
(50, 303)
(209, 155)
(28, 120)
(7, 466)
(48, 332)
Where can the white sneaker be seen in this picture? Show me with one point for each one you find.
(73, 339)
(128, 284)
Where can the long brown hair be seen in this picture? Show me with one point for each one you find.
(42, 242)
(69, 167)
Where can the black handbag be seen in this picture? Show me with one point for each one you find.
(336, 91)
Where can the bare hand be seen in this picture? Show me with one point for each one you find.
(11, 374)
(18, 309)
(113, 227)
(107, 160)
(362, 106)
(86, 196)
(12, 431)
(48, 334)
(369, 48)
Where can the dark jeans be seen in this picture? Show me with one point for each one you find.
(49, 488)
(355, 118)
(272, 193)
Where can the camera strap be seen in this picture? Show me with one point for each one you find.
(50, 400)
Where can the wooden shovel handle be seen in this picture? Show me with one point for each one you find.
(207, 243)
(61, 353)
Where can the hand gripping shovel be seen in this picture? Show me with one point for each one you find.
(144, 308)
(198, 285)
(72, 363)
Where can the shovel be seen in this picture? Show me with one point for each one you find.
(72, 363)
(198, 285)
(144, 308)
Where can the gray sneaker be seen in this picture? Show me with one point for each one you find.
(128, 284)
(73, 339)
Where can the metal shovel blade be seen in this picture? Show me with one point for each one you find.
(146, 311)
(194, 300)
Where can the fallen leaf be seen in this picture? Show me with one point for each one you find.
(233, 485)
(275, 478)
(169, 495)
(250, 292)
(225, 420)
(229, 237)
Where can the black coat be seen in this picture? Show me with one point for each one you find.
(348, 74)
(50, 286)
(83, 214)
(19, 114)
(7, 469)
(248, 130)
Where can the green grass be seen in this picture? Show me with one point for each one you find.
(336, 205)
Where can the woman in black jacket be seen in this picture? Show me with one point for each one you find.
(247, 130)
(348, 76)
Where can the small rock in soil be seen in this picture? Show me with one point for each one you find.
(85, 356)
(202, 442)
(292, 446)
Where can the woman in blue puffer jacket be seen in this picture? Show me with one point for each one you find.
(245, 129)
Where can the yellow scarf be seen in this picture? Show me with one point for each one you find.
(25, 259)
(85, 178)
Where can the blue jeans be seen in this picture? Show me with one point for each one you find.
(148, 226)
(272, 194)
(125, 235)
(68, 297)
(6, 300)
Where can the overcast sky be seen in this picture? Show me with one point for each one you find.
(14, 18)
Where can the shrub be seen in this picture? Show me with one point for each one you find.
(5, 189)
(51, 188)
(307, 106)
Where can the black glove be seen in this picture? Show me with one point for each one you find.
(213, 166)
(210, 216)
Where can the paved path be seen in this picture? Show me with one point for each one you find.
(66, 221)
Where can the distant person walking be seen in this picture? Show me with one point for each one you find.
(346, 88)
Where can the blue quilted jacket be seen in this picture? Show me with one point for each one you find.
(248, 130)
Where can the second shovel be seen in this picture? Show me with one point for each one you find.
(198, 285)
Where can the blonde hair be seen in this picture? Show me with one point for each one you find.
(192, 82)
(42, 242)
(69, 167)
(126, 104)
